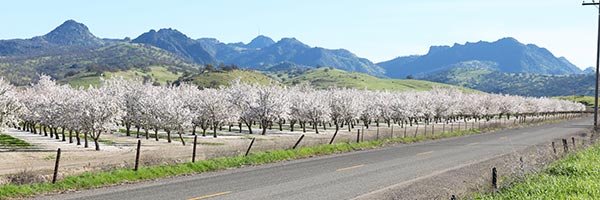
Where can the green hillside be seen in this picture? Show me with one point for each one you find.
(487, 80)
(586, 100)
(83, 63)
(219, 78)
(328, 77)
(154, 74)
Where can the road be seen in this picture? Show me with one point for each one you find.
(341, 176)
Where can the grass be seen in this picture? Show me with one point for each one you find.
(215, 79)
(7, 141)
(326, 77)
(577, 176)
(107, 142)
(160, 74)
(586, 100)
(90, 180)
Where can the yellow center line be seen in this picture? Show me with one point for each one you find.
(347, 168)
(210, 195)
(474, 143)
(424, 153)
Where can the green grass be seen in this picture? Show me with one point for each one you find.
(326, 77)
(106, 142)
(215, 79)
(211, 143)
(90, 180)
(7, 141)
(158, 74)
(587, 100)
(577, 176)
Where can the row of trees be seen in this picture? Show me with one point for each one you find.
(49, 107)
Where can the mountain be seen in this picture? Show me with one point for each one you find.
(589, 70)
(70, 50)
(524, 84)
(177, 43)
(291, 50)
(72, 33)
(260, 54)
(260, 42)
(505, 55)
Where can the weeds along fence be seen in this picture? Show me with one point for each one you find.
(120, 150)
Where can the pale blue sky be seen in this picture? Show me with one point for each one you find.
(378, 30)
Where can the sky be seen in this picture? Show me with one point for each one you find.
(378, 30)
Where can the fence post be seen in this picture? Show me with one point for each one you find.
(565, 145)
(553, 148)
(377, 133)
(574, 146)
(494, 178)
(250, 147)
(194, 150)
(362, 135)
(357, 135)
(137, 155)
(56, 166)
(453, 197)
(299, 140)
(333, 138)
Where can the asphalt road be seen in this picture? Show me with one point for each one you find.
(341, 176)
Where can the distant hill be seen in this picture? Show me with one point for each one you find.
(262, 53)
(524, 84)
(71, 49)
(177, 43)
(505, 55)
(224, 78)
(326, 77)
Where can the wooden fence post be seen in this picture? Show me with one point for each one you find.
(137, 155)
(553, 147)
(56, 166)
(357, 135)
(333, 138)
(565, 145)
(194, 150)
(574, 146)
(301, 137)
(250, 147)
(494, 178)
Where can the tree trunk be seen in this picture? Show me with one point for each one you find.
(181, 137)
(156, 134)
(96, 143)
(63, 134)
(128, 130)
(78, 138)
(56, 133)
(85, 139)
(70, 135)
(168, 135)
(194, 130)
(264, 126)
(249, 125)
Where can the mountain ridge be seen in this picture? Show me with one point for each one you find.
(516, 57)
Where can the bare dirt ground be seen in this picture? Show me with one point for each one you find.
(119, 151)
